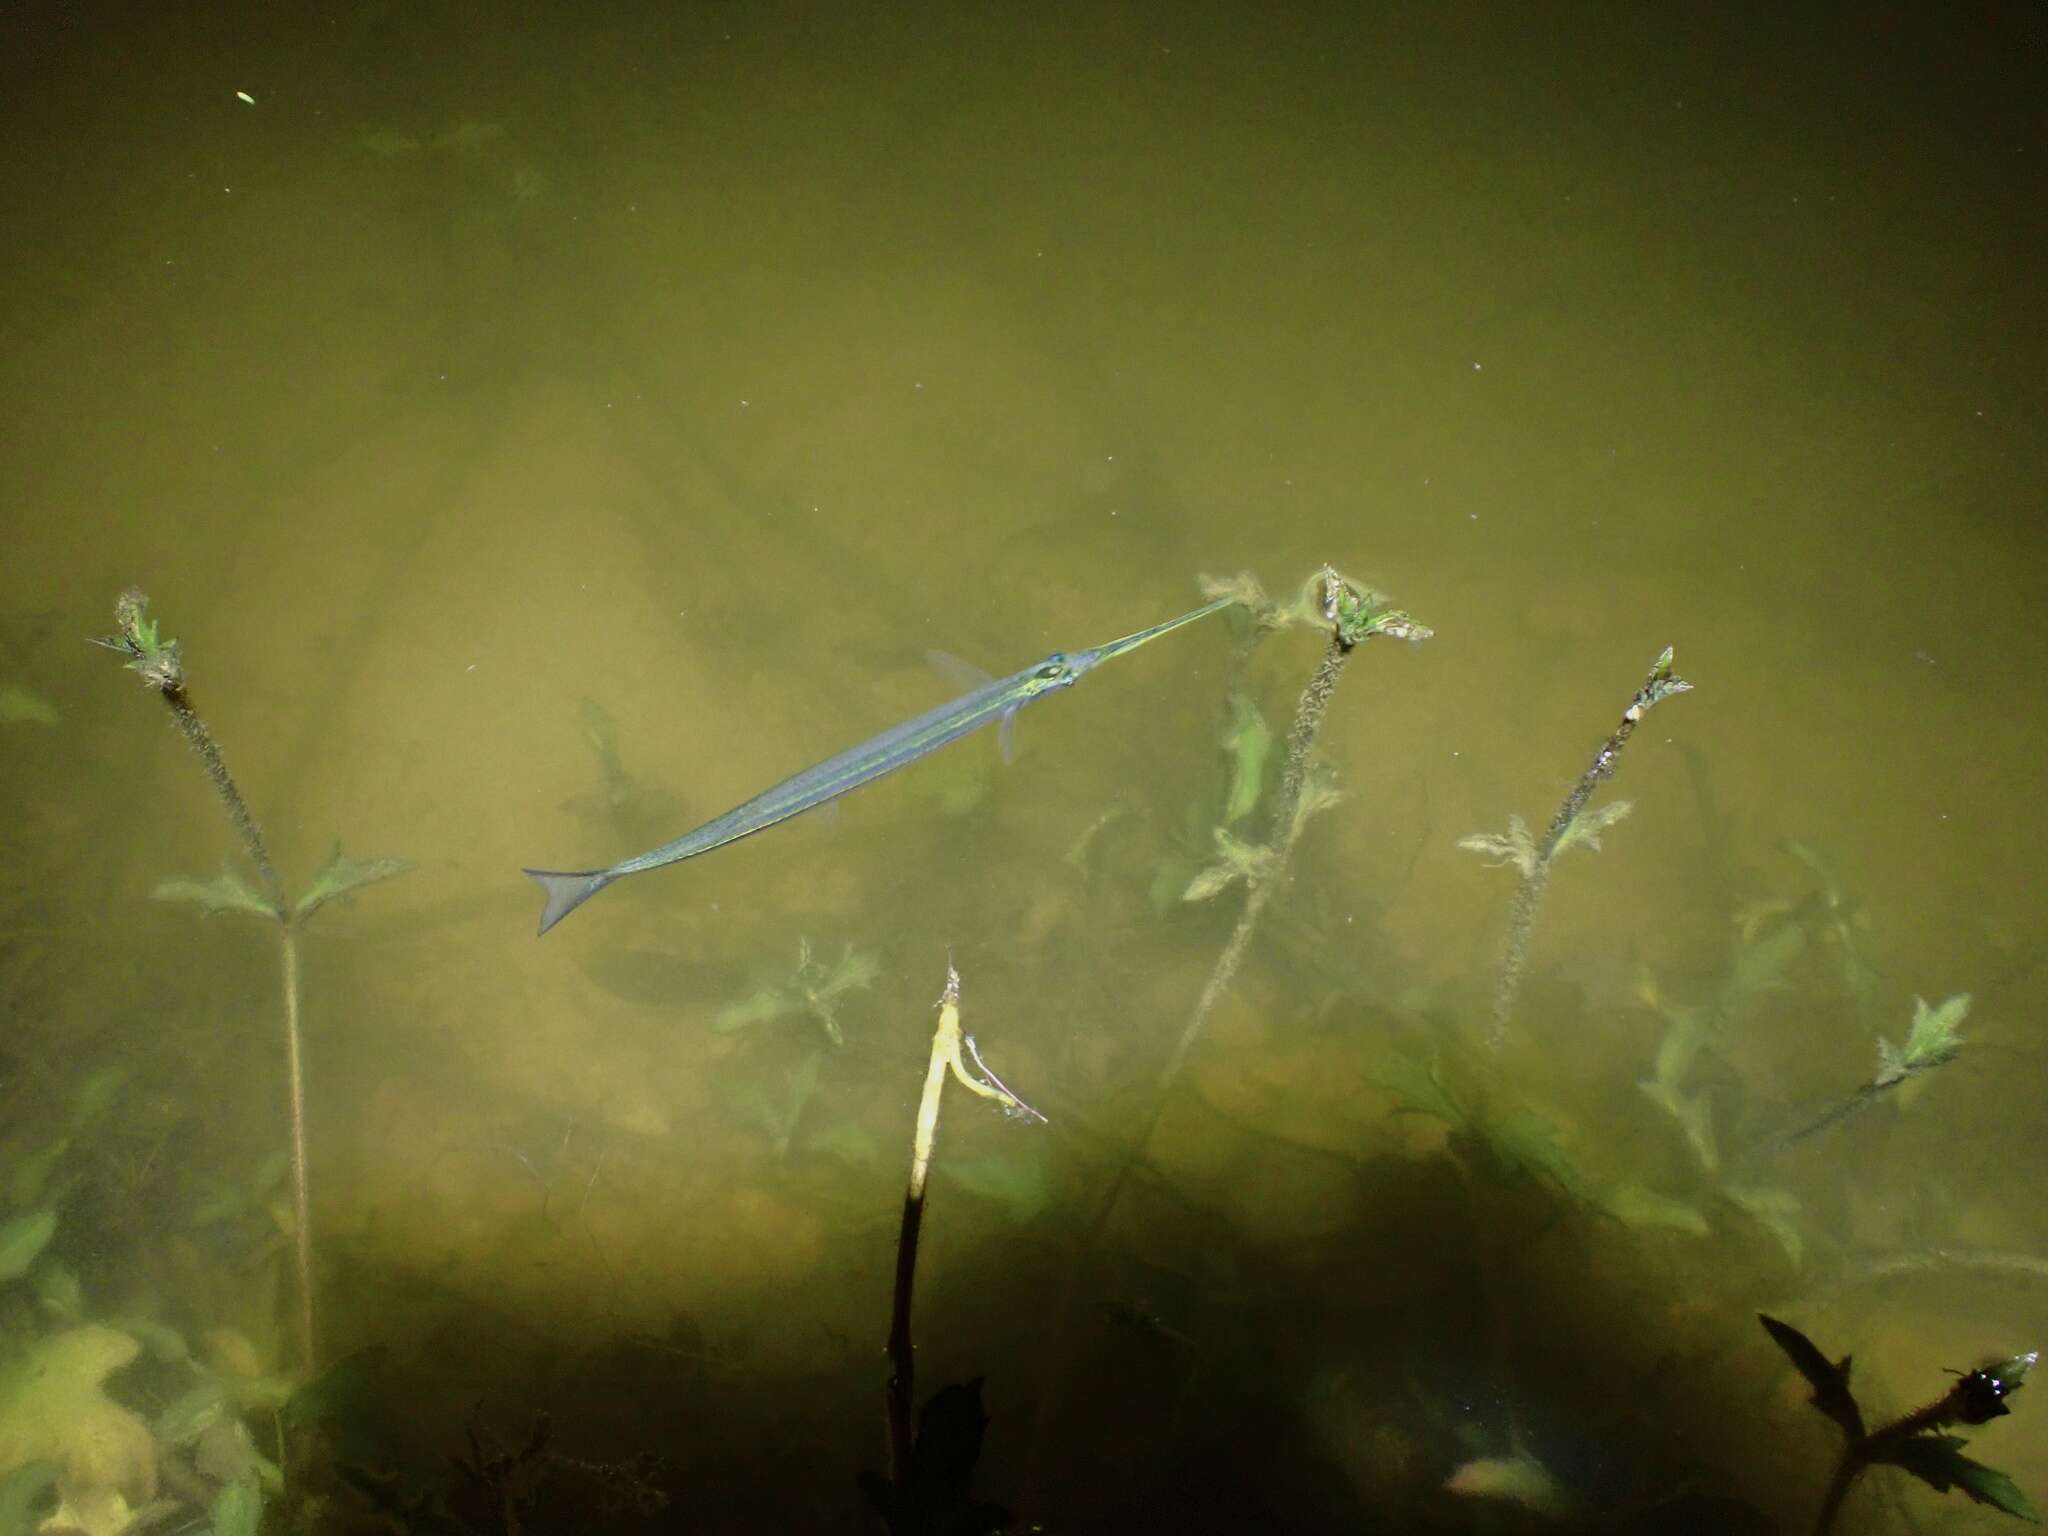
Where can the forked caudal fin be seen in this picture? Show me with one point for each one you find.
(567, 890)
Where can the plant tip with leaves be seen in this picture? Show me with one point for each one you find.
(1912, 1442)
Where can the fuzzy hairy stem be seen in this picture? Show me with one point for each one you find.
(1660, 684)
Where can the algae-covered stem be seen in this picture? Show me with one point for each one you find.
(945, 1058)
(1353, 615)
(1661, 684)
(157, 662)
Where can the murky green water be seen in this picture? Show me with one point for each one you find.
(542, 434)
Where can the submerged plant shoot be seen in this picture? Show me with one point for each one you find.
(1580, 1069)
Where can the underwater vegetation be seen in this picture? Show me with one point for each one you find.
(1569, 827)
(1467, 1150)
(931, 1468)
(810, 991)
(1914, 1441)
(196, 1431)
(20, 705)
(157, 661)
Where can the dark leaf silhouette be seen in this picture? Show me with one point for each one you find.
(1829, 1379)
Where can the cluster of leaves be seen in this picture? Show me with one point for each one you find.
(65, 1440)
(773, 1098)
(1517, 848)
(1931, 1041)
(934, 1496)
(774, 1103)
(38, 1185)
(1522, 1144)
(230, 892)
(1916, 1443)
(810, 991)
(1758, 964)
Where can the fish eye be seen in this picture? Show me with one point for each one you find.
(1055, 666)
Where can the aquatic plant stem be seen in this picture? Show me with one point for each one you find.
(1913, 1442)
(302, 1201)
(1353, 615)
(1661, 684)
(1964, 1402)
(158, 663)
(1287, 824)
(1493, 1287)
(201, 741)
(902, 1355)
(945, 1058)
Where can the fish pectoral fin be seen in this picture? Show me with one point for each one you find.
(967, 677)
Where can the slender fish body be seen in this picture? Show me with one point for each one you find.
(894, 748)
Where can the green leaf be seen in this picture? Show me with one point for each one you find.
(270, 1172)
(846, 1141)
(1519, 1480)
(1418, 1088)
(1932, 1039)
(95, 1096)
(23, 1494)
(1587, 826)
(1235, 860)
(810, 989)
(237, 1509)
(1891, 1066)
(774, 1113)
(1209, 883)
(1695, 1116)
(817, 985)
(1830, 883)
(18, 706)
(1828, 1378)
(2014, 1370)
(1318, 793)
(58, 1291)
(1939, 1462)
(22, 1239)
(1017, 1181)
(340, 875)
(1776, 1211)
(1249, 744)
(226, 892)
(855, 969)
(1760, 966)
(762, 1006)
(32, 1173)
(220, 1201)
(1360, 614)
(346, 1402)
(1527, 1144)
(1662, 684)
(1685, 1032)
(191, 1415)
(1515, 847)
(1635, 1206)
(164, 1343)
